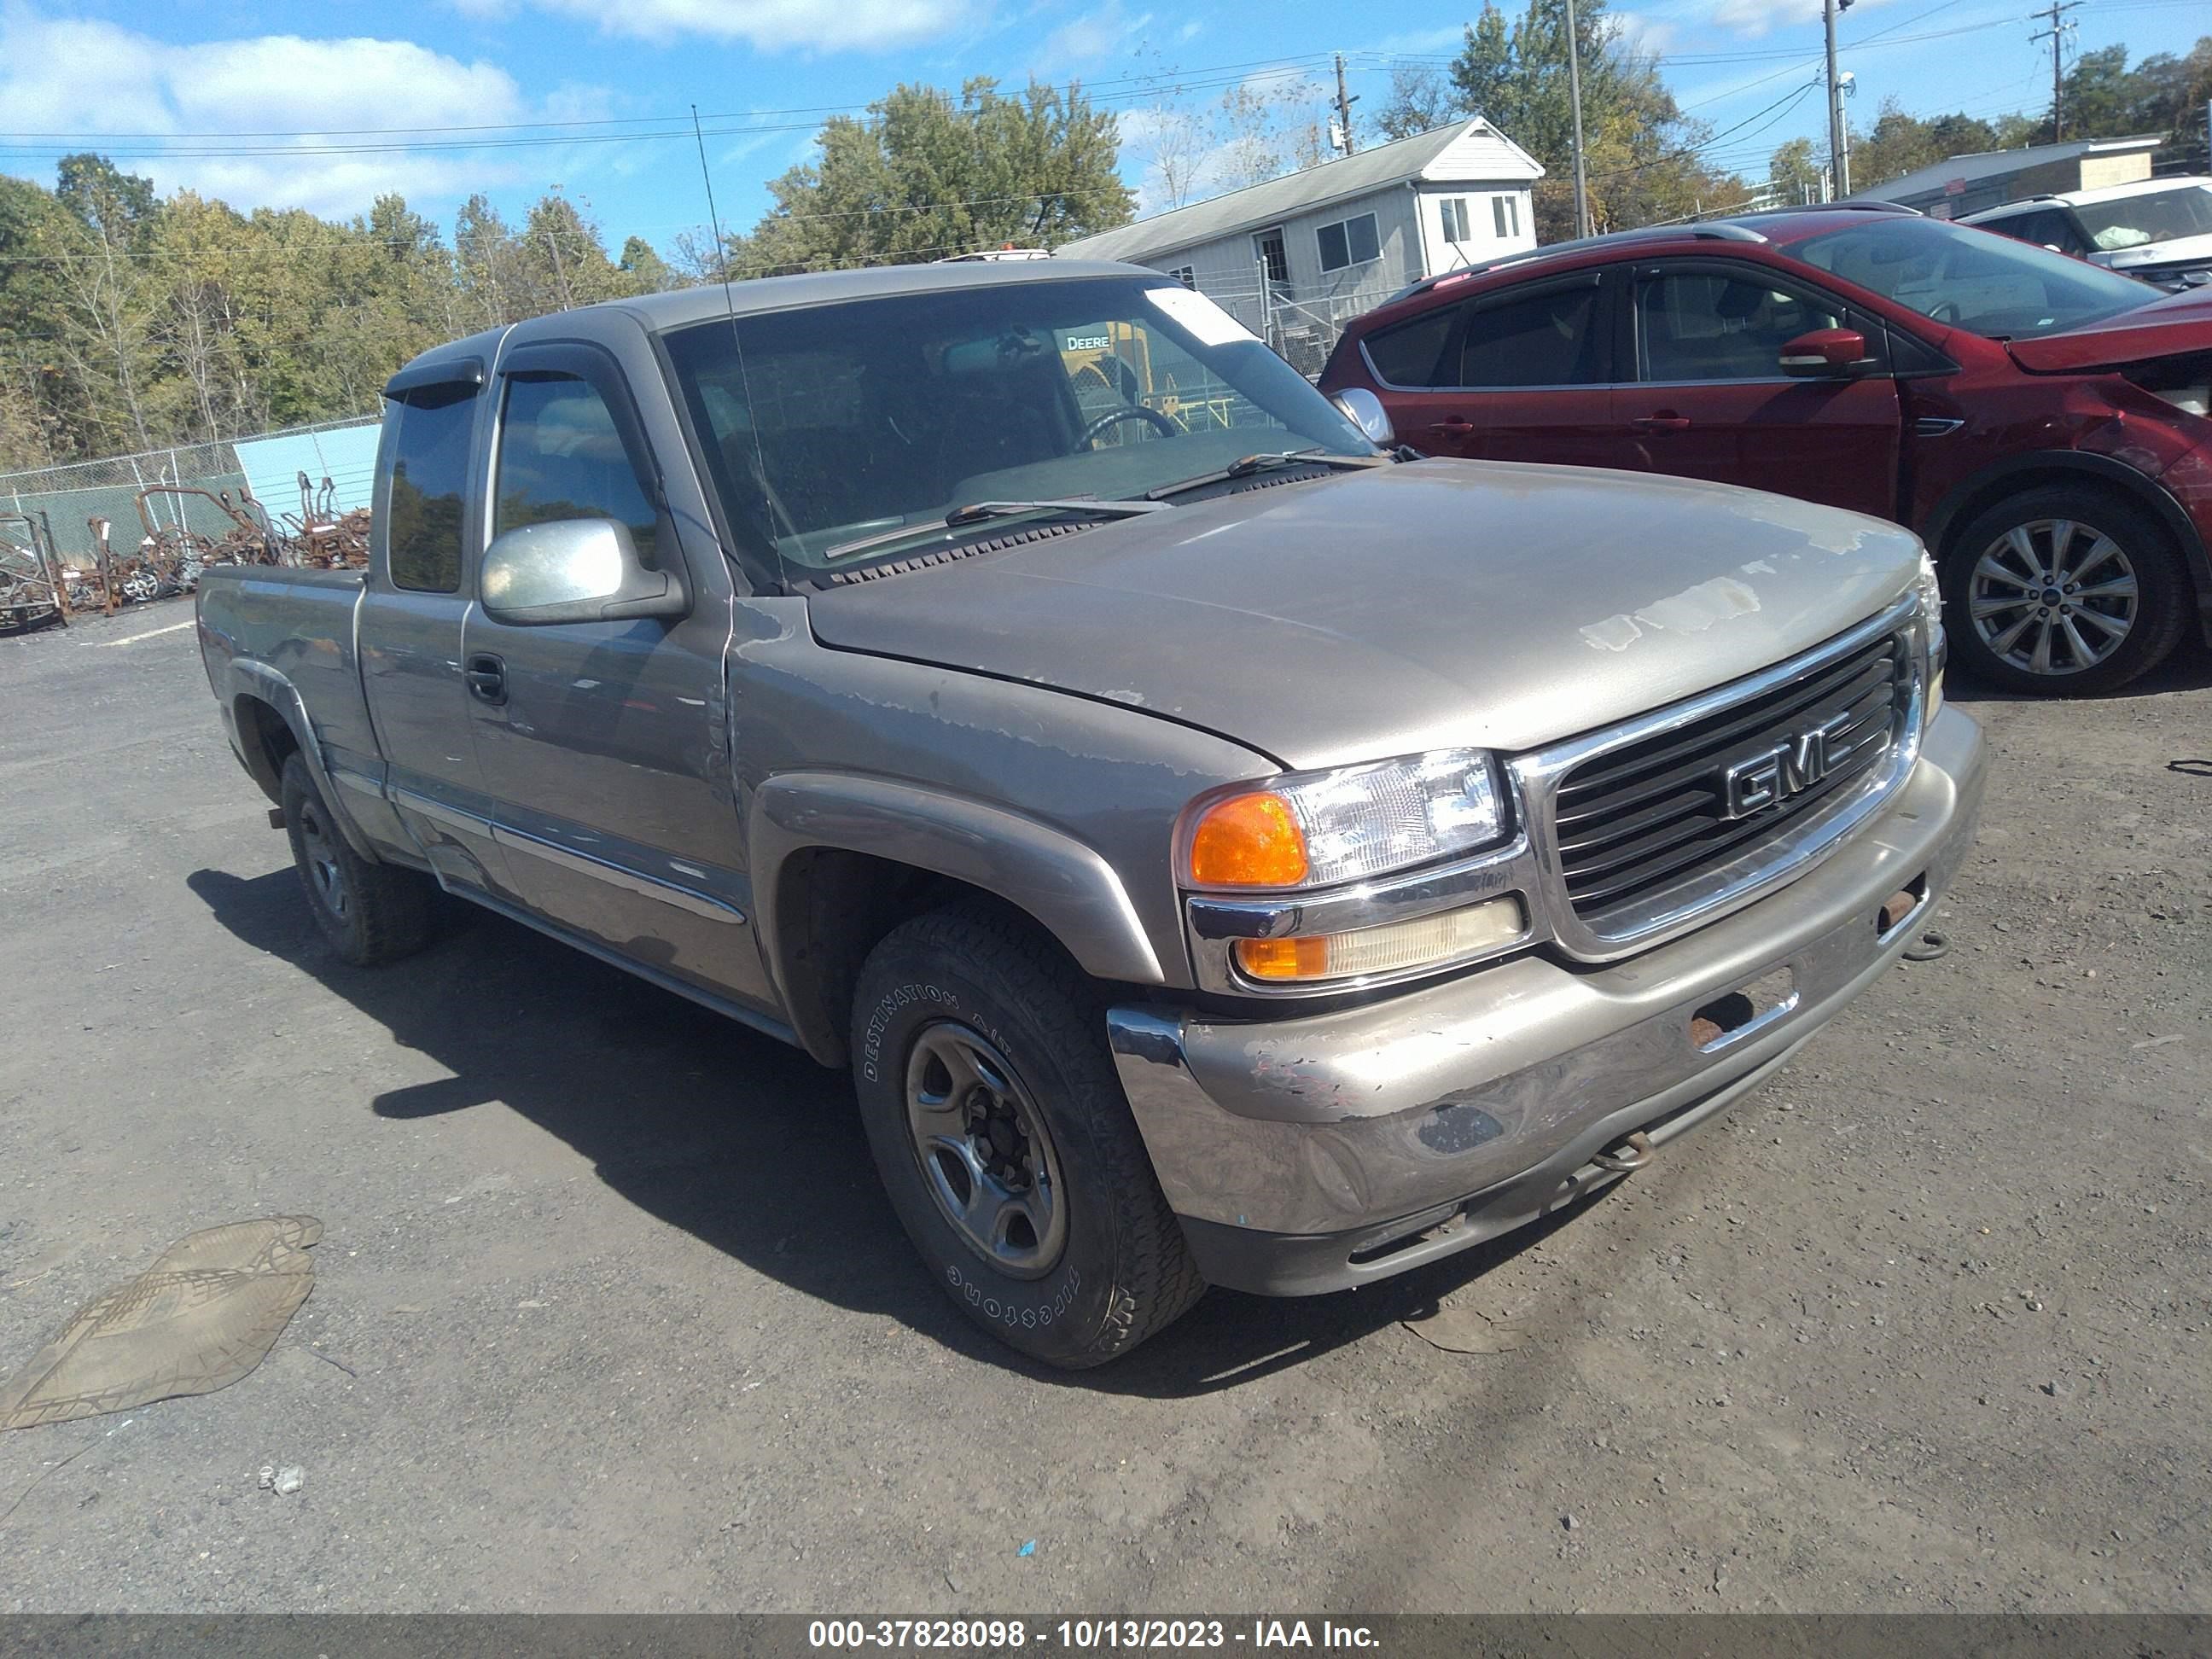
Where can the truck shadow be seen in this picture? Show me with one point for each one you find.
(739, 1140)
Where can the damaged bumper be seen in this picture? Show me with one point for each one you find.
(1312, 1154)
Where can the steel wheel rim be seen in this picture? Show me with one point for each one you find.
(2053, 597)
(984, 1151)
(325, 874)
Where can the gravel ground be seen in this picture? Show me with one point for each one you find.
(610, 1313)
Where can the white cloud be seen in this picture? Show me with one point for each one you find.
(1093, 36)
(274, 82)
(770, 25)
(1751, 19)
(1642, 32)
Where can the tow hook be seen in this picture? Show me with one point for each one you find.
(1631, 1153)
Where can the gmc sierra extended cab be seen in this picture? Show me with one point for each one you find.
(1223, 848)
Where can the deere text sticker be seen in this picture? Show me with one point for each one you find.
(1192, 310)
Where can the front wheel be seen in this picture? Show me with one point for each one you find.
(2065, 592)
(1002, 1136)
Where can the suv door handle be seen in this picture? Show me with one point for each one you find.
(487, 678)
(1665, 421)
(1452, 426)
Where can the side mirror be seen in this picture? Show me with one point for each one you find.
(1826, 354)
(1365, 410)
(574, 570)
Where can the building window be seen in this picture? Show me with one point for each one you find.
(1349, 242)
(1456, 229)
(1268, 245)
(1505, 214)
(1186, 275)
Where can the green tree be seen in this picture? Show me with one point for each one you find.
(1796, 174)
(1640, 150)
(924, 174)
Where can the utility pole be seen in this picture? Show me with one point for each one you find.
(2055, 13)
(1839, 159)
(1344, 101)
(1575, 93)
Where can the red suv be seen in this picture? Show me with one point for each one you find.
(2040, 421)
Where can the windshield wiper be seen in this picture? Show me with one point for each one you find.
(980, 511)
(1269, 461)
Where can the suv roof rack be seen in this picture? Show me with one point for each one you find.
(1711, 230)
(1830, 207)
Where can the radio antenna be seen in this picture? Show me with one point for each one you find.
(714, 219)
(736, 345)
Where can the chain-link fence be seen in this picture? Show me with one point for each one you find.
(336, 458)
(1303, 330)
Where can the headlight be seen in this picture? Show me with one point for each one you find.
(1315, 829)
(1931, 611)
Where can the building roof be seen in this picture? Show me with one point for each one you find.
(1996, 163)
(1468, 152)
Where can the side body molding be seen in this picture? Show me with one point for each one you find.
(260, 682)
(1064, 884)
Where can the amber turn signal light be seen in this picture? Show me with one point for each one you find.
(1249, 840)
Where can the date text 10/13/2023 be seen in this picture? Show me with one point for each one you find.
(1086, 1635)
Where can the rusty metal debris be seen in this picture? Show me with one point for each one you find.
(33, 590)
(323, 536)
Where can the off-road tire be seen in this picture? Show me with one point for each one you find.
(382, 912)
(1123, 1272)
(2165, 601)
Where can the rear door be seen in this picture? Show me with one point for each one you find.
(1708, 399)
(1521, 373)
(604, 744)
(410, 621)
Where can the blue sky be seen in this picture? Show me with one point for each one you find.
(263, 104)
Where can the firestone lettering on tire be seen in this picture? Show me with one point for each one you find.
(1032, 1317)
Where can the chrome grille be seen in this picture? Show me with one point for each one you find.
(1633, 821)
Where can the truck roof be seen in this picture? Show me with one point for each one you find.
(682, 308)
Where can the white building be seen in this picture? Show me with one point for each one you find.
(1295, 257)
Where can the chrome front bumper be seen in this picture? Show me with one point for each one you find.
(1310, 1154)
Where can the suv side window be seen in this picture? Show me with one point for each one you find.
(1413, 353)
(1704, 325)
(1545, 336)
(429, 478)
(2046, 228)
(561, 456)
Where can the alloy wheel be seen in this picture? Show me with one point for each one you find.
(2052, 597)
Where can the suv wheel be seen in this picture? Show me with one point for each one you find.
(370, 912)
(1001, 1134)
(2062, 591)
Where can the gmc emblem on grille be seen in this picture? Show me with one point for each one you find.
(1797, 763)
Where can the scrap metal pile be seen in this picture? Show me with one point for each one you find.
(32, 582)
(37, 587)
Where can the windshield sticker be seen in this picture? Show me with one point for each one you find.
(1192, 310)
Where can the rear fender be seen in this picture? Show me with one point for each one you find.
(257, 681)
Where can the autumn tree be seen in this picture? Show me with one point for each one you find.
(923, 174)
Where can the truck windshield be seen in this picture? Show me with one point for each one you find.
(2157, 216)
(832, 427)
(1973, 279)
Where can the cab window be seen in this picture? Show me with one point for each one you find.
(429, 474)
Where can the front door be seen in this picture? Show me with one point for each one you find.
(1711, 400)
(603, 745)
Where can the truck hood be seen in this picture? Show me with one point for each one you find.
(2165, 328)
(1427, 606)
